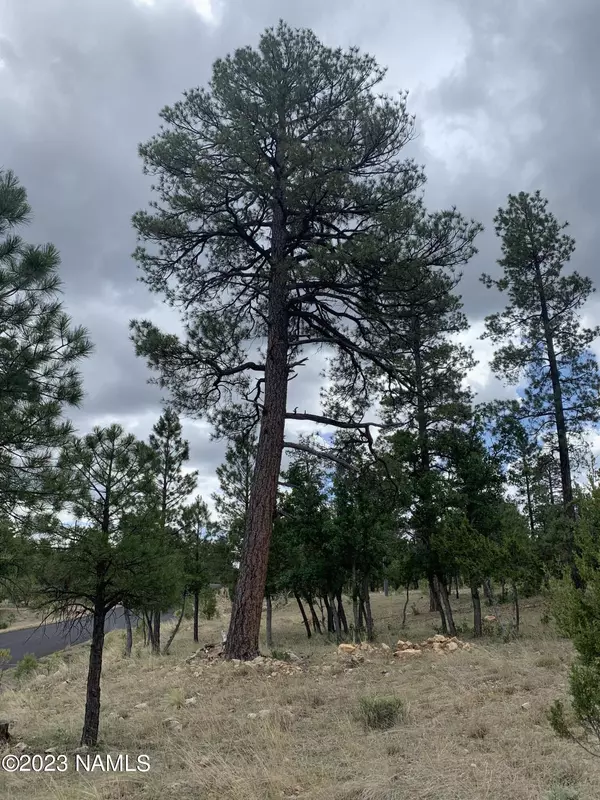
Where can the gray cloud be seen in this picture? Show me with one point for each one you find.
(506, 100)
(521, 113)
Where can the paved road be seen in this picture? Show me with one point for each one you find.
(50, 638)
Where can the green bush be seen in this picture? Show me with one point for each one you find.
(380, 713)
(4, 659)
(26, 666)
(53, 663)
(280, 655)
(6, 620)
(563, 793)
(577, 615)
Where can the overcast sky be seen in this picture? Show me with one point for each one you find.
(505, 93)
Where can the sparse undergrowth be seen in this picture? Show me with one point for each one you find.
(379, 713)
(465, 726)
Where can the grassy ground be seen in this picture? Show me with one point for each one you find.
(473, 725)
(14, 618)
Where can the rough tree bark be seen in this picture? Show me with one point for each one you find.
(433, 601)
(91, 722)
(244, 628)
(477, 624)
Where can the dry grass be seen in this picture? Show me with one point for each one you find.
(473, 725)
(21, 616)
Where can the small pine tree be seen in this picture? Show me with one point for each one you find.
(172, 484)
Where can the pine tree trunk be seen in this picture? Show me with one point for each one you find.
(477, 624)
(405, 605)
(434, 590)
(488, 592)
(529, 498)
(322, 612)
(503, 590)
(91, 722)
(244, 628)
(342, 614)
(330, 628)
(433, 600)
(456, 587)
(156, 633)
(196, 615)
(303, 612)
(129, 633)
(176, 628)
(445, 604)
(149, 629)
(355, 616)
(335, 618)
(269, 622)
(313, 614)
(386, 587)
(368, 614)
(561, 429)
(517, 608)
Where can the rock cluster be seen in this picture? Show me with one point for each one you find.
(438, 644)
(211, 654)
(272, 666)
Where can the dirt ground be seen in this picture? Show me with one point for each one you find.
(473, 724)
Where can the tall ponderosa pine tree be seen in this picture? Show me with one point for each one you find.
(172, 484)
(427, 399)
(539, 333)
(39, 351)
(286, 217)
